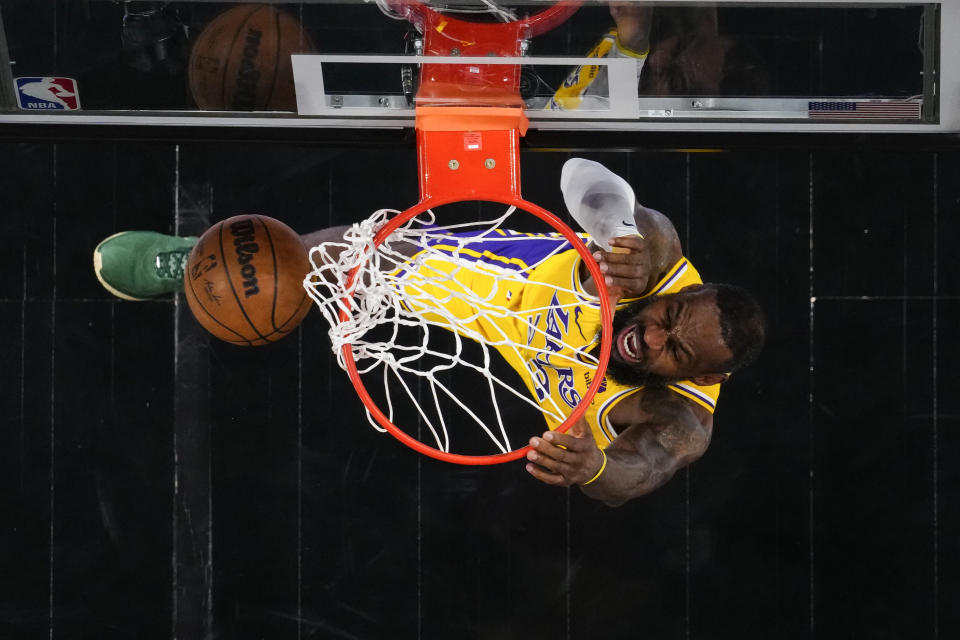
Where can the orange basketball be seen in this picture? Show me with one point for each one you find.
(241, 60)
(244, 280)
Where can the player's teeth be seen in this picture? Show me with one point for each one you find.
(630, 343)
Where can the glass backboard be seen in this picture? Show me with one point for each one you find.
(573, 65)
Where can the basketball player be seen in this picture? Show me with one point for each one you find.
(675, 341)
(679, 51)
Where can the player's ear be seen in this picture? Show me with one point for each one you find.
(692, 287)
(709, 379)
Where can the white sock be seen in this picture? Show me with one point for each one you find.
(599, 200)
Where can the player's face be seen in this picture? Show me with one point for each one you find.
(668, 338)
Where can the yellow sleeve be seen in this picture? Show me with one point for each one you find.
(590, 80)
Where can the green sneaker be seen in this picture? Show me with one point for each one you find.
(139, 265)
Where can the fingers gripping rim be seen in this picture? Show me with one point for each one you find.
(606, 314)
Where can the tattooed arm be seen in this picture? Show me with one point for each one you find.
(666, 432)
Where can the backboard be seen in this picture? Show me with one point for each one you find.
(741, 66)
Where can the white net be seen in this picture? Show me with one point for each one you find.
(425, 277)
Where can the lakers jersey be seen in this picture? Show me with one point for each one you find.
(587, 86)
(540, 319)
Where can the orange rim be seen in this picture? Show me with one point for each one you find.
(606, 316)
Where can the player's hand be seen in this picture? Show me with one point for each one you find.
(564, 459)
(633, 24)
(627, 274)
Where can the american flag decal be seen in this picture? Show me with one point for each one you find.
(864, 110)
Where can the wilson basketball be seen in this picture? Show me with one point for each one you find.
(244, 280)
(241, 60)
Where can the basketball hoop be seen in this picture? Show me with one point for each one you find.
(355, 293)
(469, 123)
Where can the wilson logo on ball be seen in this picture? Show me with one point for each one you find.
(244, 240)
(246, 97)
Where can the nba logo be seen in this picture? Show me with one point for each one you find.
(47, 94)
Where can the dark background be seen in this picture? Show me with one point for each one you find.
(806, 51)
(160, 484)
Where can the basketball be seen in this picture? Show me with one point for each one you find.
(241, 60)
(244, 280)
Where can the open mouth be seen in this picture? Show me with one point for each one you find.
(628, 345)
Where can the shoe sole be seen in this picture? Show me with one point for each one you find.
(98, 266)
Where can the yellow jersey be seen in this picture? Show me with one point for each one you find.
(523, 295)
(587, 86)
